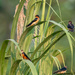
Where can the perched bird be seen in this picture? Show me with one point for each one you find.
(24, 55)
(61, 71)
(35, 21)
(70, 26)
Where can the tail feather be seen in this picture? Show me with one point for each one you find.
(28, 25)
(29, 59)
(27, 56)
(56, 72)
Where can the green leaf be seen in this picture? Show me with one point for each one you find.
(47, 18)
(42, 43)
(14, 42)
(59, 8)
(32, 67)
(2, 56)
(57, 52)
(57, 62)
(14, 67)
(34, 4)
(54, 11)
(62, 57)
(42, 19)
(42, 55)
(3, 51)
(8, 67)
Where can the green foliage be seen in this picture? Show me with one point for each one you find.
(33, 69)
(2, 57)
(14, 67)
(45, 40)
(40, 49)
(14, 25)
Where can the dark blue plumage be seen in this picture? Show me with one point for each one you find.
(32, 22)
(70, 26)
(63, 69)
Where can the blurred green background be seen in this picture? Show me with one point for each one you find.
(7, 10)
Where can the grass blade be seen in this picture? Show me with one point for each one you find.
(62, 57)
(57, 62)
(14, 67)
(32, 67)
(42, 19)
(2, 56)
(13, 41)
(42, 55)
(45, 40)
(47, 18)
(2, 53)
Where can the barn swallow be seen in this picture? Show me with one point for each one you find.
(61, 71)
(24, 55)
(70, 26)
(35, 21)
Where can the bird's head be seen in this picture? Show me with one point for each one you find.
(37, 16)
(70, 22)
(65, 66)
(22, 51)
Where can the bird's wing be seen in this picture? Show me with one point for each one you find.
(63, 69)
(32, 22)
(56, 71)
(26, 56)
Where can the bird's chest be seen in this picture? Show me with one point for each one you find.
(61, 72)
(36, 21)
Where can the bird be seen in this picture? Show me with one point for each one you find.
(70, 26)
(24, 55)
(61, 71)
(35, 21)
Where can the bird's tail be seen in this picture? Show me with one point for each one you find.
(29, 59)
(56, 72)
(28, 25)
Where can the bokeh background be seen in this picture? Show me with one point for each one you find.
(7, 10)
